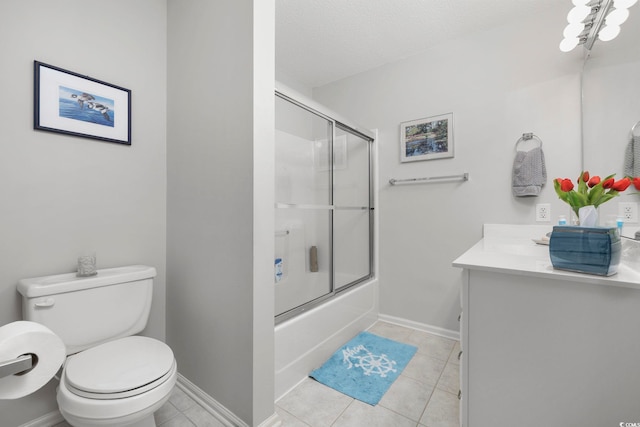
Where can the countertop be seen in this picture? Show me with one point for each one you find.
(511, 249)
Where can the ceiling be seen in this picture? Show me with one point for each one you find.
(321, 41)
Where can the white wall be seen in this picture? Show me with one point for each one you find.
(63, 194)
(220, 200)
(499, 84)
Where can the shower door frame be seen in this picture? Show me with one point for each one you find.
(369, 139)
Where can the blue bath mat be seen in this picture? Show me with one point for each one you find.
(365, 367)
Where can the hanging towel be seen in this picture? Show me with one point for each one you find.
(529, 173)
(632, 157)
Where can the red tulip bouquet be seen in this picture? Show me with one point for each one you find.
(591, 191)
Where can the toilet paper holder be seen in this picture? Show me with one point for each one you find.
(16, 366)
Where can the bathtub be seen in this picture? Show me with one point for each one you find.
(304, 342)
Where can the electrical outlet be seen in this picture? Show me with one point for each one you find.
(628, 211)
(543, 212)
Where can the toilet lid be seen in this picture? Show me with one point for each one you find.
(119, 366)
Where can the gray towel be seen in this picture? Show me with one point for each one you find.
(529, 173)
(632, 157)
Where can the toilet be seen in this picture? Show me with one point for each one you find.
(111, 377)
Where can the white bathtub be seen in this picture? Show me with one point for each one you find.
(306, 341)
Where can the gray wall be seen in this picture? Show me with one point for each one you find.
(499, 84)
(62, 194)
(220, 200)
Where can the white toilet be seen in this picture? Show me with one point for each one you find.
(111, 377)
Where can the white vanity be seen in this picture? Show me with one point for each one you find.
(544, 347)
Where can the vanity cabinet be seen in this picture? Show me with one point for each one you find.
(543, 347)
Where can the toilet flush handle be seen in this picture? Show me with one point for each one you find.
(49, 302)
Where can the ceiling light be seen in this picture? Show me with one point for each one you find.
(609, 32)
(594, 19)
(569, 44)
(578, 13)
(617, 17)
(573, 30)
(624, 4)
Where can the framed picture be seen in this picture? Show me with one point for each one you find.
(73, 104)
(427, 139)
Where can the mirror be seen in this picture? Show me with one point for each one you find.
(611, 105)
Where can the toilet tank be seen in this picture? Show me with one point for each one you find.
(87, 311)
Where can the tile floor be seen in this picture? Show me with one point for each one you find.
(424, 395)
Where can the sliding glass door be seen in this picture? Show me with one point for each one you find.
(352, 228)
(323, 241)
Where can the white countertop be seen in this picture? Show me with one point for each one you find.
(511, 249)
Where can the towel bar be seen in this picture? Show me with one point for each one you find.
(463, 177)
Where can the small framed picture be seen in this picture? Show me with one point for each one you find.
(427, 139)
(69, 103)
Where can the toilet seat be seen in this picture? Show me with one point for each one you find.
(85, 412)
(119, 369)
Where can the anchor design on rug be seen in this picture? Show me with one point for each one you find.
(361, 357)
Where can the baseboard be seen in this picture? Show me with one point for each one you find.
(273, 421)
(435, 330)
(47, 420)
(209, 404)
(216, 409)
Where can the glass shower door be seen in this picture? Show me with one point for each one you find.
(352, 224)
(303, 206)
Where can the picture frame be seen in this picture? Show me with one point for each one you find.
(427, 139)
(72, 104)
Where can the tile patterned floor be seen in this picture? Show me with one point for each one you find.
(424, 395)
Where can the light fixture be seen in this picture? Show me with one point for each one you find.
(578, 14)
(573, 30)
(623, 4)
(568, 44)
(609, 33)
(594, 19)
(617, 17)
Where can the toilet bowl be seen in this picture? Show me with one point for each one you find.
(111, 376)
(120, 383)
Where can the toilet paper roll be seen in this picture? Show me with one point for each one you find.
(24, 337)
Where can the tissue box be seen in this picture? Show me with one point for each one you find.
(592, 250)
